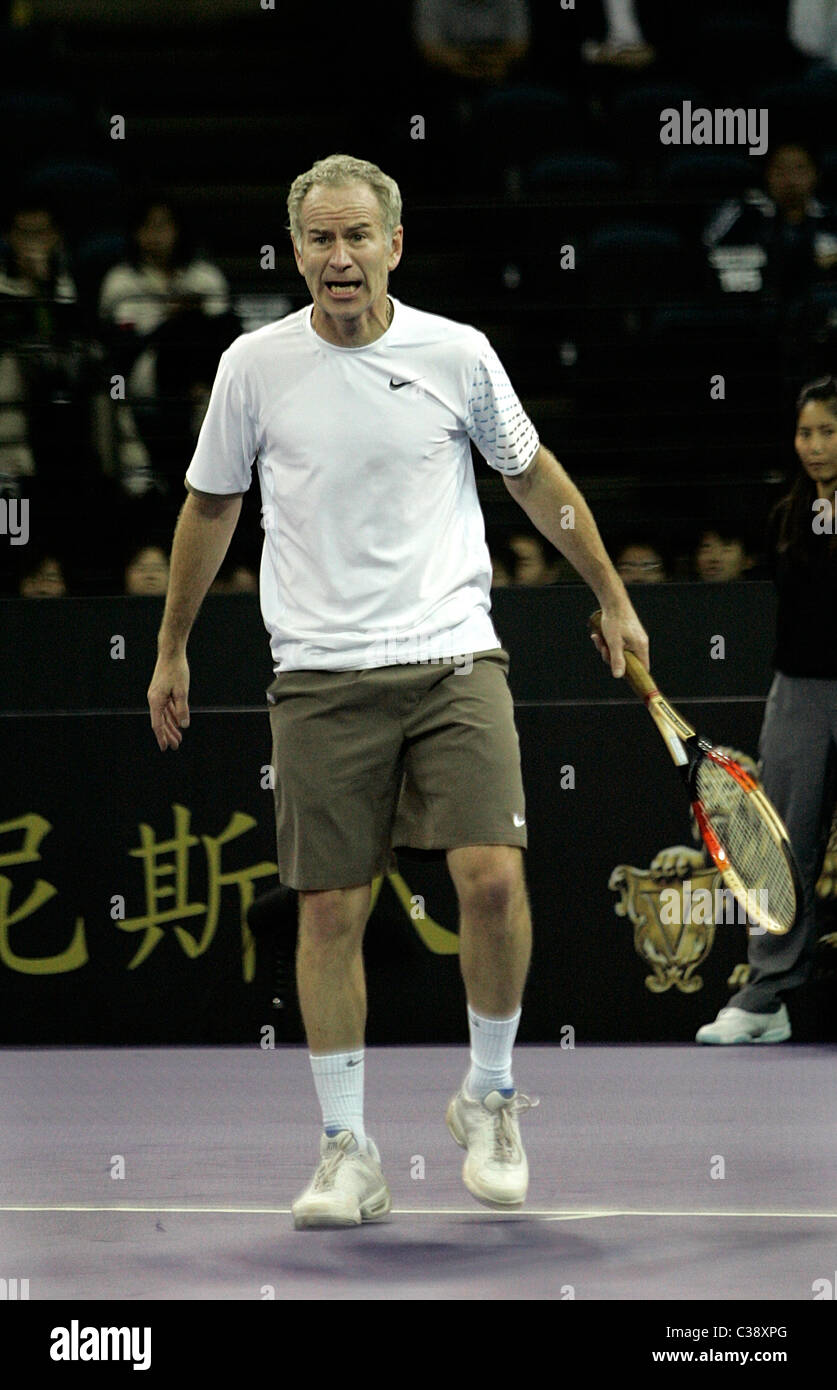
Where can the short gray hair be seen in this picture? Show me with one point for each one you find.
(337, 170)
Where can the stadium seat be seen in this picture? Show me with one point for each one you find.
(708, 174)
(31, 105)
(691, 344)
(74, 176)
(635, 263)
(828, 175)
(577, 169)
(35, 124)
(728, 51)
(82, 190)
(805, 109)
(635, 115)
(520, 123)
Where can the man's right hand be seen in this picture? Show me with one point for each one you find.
(168, 700)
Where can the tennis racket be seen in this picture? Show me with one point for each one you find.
(741, 829)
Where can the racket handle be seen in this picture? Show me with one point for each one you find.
(635, 673)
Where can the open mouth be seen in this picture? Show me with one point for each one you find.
(342, 289)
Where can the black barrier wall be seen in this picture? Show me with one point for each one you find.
(127, 875)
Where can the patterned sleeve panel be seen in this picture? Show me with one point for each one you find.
(495, 418)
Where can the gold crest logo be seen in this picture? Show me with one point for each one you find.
(672, 943)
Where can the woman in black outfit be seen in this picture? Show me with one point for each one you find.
(798, 745)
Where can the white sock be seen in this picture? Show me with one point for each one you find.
(338, 1077)
(492, 1040)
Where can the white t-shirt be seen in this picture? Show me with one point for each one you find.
(374, 550)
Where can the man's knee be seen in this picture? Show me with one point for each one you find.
(333, 915)
(489, 881)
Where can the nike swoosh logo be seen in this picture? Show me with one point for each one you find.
(353, 1064)
(396, 385)
(518, 820)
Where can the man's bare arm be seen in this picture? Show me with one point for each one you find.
(201, 539)
(546, 493)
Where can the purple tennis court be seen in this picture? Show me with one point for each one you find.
(658, 1172)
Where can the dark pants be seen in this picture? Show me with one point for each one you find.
(798, 750)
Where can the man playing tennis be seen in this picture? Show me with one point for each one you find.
(391, 714)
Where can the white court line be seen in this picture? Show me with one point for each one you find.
(549, 1214)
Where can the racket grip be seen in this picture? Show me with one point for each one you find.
(635, 673)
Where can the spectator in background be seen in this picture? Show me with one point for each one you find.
(782, 240)
(235, 577)
(168, 312)
(799, 732)
(164, 277)
(468, 48)
(812, 29)
(535, 561)
(501, 568)
(41, 576)
(36, 263)
(722, 554)
(147, 571)
(54, 389)
(48, 367)
(638, 561)
(473, 41)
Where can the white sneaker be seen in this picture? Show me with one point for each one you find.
(347, 1188)
(496, 1171)
(739, 1026)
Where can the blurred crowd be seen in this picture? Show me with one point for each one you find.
(102, 398)
(110, 334)
(717, 554)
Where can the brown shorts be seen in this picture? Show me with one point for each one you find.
(422, 755)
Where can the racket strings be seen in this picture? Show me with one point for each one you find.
(751, 846)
